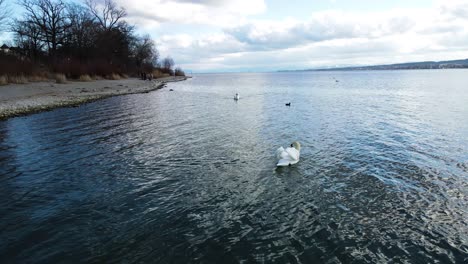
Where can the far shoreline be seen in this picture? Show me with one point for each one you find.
(25, 99)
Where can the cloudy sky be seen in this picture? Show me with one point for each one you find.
(265, 35)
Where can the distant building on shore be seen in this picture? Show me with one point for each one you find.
(4, 48)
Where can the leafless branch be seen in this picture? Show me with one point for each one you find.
(108, 14)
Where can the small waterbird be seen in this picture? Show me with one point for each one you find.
(288, 104)
(236, 97)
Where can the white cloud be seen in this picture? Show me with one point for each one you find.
(214, 43)
(203, 12)
(322, 26)
(327, 38)
(454, 9)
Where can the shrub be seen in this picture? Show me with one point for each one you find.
(85, 78)
(60, 78)
(179, 72)
(113, 76)
(3, 80)
(13, 66)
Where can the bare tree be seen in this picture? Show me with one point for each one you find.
(50, 17)
(81, 34)
(75, 39)
(168, 64)
(108, 14)
(145, 52)
(27, 37)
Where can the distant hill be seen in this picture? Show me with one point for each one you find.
(453, 64)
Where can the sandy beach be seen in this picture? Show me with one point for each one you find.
(21, 99)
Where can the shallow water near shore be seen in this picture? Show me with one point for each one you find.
(189, 175)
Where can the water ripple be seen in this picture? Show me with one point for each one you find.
(189, 175)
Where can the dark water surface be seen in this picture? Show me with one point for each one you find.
(189, 175)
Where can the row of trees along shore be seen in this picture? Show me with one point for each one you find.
(85, 41)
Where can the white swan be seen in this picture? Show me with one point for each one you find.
(236, 97)
(288, 156)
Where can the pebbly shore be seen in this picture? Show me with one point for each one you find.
(23, 99)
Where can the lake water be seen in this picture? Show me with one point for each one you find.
(189, 175)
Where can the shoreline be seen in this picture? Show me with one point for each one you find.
(24, 99)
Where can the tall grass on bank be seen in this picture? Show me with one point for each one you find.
(74, 68)
(16, 69)
(17, 79)
(38, 78)
(158, 74)
(13, 79)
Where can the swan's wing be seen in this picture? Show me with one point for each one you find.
(288, 156)
(279, 152)
(283, 162)
(292, 153)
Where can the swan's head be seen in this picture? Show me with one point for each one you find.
(296, 145)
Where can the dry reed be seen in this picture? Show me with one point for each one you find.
(113, 76)
(85, 78)
(60, 78)
(3, 80)
(17, 79)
